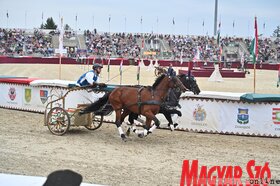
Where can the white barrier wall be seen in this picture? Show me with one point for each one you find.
(25, 97)
(237, 117)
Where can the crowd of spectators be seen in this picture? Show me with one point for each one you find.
(267, 49)
(120, 44)
(18, 42)
(188, 46)
(277, 48)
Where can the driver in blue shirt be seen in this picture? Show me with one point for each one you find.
(171, 71)
(91, 77)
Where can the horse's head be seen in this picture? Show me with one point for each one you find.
(189, 82)
(177, 83)
(170, 82)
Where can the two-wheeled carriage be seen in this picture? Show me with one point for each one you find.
(59, 116)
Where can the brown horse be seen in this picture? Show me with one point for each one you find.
(141, 100)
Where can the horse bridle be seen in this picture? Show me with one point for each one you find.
(192, 86)
(178, 83)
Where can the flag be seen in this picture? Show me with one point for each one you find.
(278, 82)
(197, 54)
(7, 14)
(173, 21)
(203, 23)
(218, 37)
(138, 70)
(108, 64)
(76, 17)
(102, 60)
(263, 25)
(181, 57)
(121, 64)
(254, 44)
(42, 15)
(141, 20)
(61, 37)
(151, 65)
(156, 63)
(233, 24)
(221, 51)
(242, 60)
(109, 18)
(142, 64)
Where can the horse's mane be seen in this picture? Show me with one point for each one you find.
(185, 75)
(158, 80)
(182, 75)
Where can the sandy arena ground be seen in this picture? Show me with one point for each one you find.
(28, 148)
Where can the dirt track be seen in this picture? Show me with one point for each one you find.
(28, 148)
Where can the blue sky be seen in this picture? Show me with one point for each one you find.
(188, 15)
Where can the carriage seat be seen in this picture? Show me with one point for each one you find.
(72, 85)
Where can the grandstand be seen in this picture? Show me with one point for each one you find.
(42, 43)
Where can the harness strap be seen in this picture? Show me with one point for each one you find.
(152, 102)
(139, 103)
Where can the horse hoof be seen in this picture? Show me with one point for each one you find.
(128, 132)
(172, 127)
(123, 137)
(141, 135)
(175, 125)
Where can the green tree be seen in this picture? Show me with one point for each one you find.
(67, 27)
(276, 32)
(50, 24)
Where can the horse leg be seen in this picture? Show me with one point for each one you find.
(145, 132)
(123, 116)
(178, 112)
(119, 123)
(132, 116)
(167, 114)
(149, 118)
(168, 117)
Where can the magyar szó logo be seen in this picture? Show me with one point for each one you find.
(243, 116)
(43, 96)
(276, 116)
(12, 93)
(27, 95)
(199, 114)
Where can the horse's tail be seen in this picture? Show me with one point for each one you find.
(96, 105)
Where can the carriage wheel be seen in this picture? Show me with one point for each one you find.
(58, 121)
(96, 122)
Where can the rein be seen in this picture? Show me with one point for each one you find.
(117, 75)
